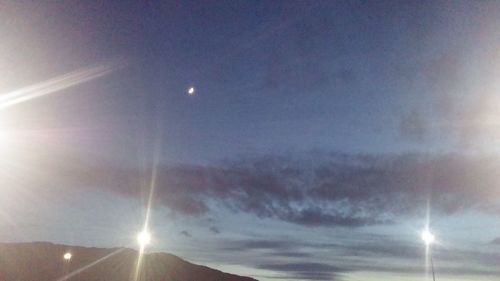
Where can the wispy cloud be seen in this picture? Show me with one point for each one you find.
(214, 230)
(312, 189)
(377, 253)
(306, 270)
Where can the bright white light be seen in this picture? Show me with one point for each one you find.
(67, 256)
(428, 237)
(57, 84)
(191, 91)
(144, 238)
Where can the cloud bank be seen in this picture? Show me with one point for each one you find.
(311, 189)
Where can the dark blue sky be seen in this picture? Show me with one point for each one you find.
(318, 134)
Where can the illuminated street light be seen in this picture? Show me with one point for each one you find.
(144, 238)
(67, 256)
(428, 239)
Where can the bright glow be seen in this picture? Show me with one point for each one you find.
(57, 84)
(144, 238)
(191, 91)
(67, 256)
(81, 269)
(428, 237)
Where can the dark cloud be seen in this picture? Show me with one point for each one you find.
(313, 216)
(306, 270)
(291, 254)
(302, 276)
(246, 245)
(316, 189)
(214, 230)
(351, 190)
(496, 241)
(391, 255)
(382, 248)
(186, 233)
(301, 267)
(370, 246)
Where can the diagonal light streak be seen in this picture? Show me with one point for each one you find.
(80, 270)
(58, 83)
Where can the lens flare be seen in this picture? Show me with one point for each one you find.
(67, 256)
(80, 270)
(144, 238)
(428, 237)
(57, 84)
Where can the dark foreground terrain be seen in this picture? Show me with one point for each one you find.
(41, 261)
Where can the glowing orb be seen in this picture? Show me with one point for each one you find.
(67, 256)
(191, 91)
(427, 237)
(144, 238)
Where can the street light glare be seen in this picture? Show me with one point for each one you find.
(144, 238)
(67, 256)
(428, 237)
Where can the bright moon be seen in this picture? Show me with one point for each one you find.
(191, 91)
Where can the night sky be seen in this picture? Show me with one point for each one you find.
(322, 137)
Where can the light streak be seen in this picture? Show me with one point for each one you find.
(57, 84)
(152, 187)
(80, 270)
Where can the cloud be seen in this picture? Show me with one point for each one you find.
(301, 267)
(310, 189)
(274, 248)
(496, 241)
(291, 254)
(378, 253)
(246, 245)
(214, 230)
(306, 270)
(369, 246)
(186, 233)
(337, 190)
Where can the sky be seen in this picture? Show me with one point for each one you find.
(322, 137)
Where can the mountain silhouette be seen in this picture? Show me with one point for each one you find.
(43, 261)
